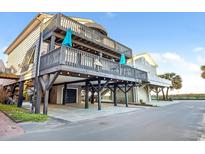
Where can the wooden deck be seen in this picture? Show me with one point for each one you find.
(61, 22)
(80, 62)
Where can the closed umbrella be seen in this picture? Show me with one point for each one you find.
(68, 38)
(122, 59)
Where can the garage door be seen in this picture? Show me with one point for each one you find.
(71, 95)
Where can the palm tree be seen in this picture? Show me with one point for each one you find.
(203, 73)
(176, 81)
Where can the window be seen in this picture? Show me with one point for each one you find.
(28, 59)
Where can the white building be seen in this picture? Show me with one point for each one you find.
(145, 62)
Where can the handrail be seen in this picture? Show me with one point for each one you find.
(80, 59)
(83, 31)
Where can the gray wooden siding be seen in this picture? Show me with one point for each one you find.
(15, 58)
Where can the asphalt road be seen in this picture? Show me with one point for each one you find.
(182, 121)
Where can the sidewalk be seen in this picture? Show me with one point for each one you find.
(8, 127)
(162, 103)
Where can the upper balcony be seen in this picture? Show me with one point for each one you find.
(155, 80)
(94, 37)
(75, 61)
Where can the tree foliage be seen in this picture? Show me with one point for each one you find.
(203, 73)
(176, 81)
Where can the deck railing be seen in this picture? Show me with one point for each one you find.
(64, 22)
(79, 59)
(155, 78)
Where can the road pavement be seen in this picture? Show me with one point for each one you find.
(177, 122)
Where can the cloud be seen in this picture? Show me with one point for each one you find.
(200, 55)
(2, 55)
(110, 14)
(171, 56)
(4, 48)
(198, 49)
(188, 70)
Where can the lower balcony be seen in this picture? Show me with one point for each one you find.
(83, 63)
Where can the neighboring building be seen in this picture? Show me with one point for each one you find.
(6, 74)
(2, 66)
(146, 63)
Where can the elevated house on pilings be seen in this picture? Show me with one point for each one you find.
(155, 84)
(80, 73)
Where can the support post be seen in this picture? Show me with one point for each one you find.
(64, 94)
(137, 94)
(99, 94)
(149, 94)
(157, 93)
(115, 95)
(126, 98)
(38, 99)
(46, 86)
(45, 107)
(86, 95)
(20, 99)
(13, 91)
(92, 96)
(52, 45)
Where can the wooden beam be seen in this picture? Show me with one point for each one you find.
(46, 86)
(20, 97)
(64, 94)
(92, 95)
(86, 95)
(92, 86)
(45, 105)
(126, 98)
(38, 99)
(130, 87)
(79, 81)
(104, 85)
(121, 89)
(95, 49)
(52, 44)
(52, 80)
(43, 84)
(110, 88)
(115, 95)
(99, 94)
(13, 90)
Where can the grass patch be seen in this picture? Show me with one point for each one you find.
(21, 114)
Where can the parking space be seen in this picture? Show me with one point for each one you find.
(77, 112)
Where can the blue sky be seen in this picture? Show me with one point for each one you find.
(177, 38)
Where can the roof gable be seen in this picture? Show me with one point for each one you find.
(26, 31)
(147, 57)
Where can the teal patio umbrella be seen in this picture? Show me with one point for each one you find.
(122, 59)
(68, 38)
